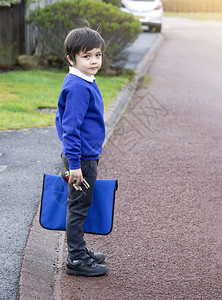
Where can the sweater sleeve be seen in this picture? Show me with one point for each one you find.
(77, 102)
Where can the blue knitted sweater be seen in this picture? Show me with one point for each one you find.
(79, 120)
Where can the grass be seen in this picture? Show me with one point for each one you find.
(23, 92)
(200, 16)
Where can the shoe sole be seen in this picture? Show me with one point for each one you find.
(78, 273)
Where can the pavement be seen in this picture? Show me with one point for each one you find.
(30, 256)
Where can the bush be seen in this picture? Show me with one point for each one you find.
(114, 2)
(54, 21)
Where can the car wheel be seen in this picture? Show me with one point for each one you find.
(158, 28)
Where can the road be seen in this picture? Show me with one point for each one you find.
(27, 154)
(166, 153)
(24, 156)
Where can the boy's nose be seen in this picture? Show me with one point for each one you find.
(93, 61)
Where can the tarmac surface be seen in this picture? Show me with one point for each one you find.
(165, 152)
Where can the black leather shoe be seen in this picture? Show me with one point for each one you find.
(85, 267)
(98, 257)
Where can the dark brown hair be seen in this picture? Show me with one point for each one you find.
(82, 39)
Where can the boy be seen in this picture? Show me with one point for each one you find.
(80, 127)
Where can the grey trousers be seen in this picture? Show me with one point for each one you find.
(78, 204)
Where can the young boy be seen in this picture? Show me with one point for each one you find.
(80, 127)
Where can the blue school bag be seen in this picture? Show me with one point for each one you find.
(54, 205)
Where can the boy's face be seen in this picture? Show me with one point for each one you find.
(88, 62)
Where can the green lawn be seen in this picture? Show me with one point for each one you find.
(23, 92)
(200, 16)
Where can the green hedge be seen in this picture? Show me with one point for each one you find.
(54, 21)
(117, 3)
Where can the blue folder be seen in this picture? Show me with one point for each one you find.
(54, 205)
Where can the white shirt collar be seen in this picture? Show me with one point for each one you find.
(78, 73)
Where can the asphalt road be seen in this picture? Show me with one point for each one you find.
(27, 154)
(24, 156)
(166, 242)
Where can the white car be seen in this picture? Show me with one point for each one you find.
(148, 12)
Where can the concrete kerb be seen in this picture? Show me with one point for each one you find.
(43, 255)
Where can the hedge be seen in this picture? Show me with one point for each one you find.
(54, 21)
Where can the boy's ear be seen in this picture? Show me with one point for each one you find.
(70, 61)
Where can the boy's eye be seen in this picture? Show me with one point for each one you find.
(87, 56)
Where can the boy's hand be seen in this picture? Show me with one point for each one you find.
(76, 175)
